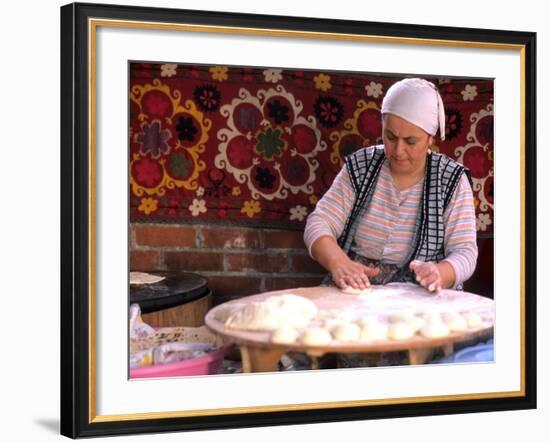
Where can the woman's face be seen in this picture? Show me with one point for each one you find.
(405, 145)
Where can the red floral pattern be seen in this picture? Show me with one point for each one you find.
(213, 143)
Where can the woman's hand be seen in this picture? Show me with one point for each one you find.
(428, 275)
(344, 271)
(348, 273)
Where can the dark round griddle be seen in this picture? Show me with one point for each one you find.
(177, 288)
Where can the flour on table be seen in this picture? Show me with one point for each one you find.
(401, 316)
(431, 316)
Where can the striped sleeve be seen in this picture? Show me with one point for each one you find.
(460, 232)
(331, 211)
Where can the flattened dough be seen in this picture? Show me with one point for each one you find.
(275, 312)
(254, 316)
(223, 313)
(352, 291)
(138, 278)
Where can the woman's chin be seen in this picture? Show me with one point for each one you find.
(400, 166)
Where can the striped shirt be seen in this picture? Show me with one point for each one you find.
(386, 231)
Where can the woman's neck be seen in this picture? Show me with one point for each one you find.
(405, 181)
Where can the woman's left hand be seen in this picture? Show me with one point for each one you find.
(427, 275)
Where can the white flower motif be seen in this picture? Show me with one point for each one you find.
(374, 89)
(482, 221)
(198, 207)
(273, 75)
(200, 191)
(168, 70)
(298, 212)
(469, 92)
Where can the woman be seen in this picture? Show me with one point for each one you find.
(398, 212)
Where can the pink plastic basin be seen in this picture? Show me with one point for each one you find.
(207, 364)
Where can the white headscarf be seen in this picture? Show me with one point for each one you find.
(417, 101)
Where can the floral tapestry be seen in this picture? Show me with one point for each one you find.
(260, 146)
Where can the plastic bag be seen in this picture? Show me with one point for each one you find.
(141, 359)
(138, 328)
(178, 351)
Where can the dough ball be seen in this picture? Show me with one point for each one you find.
(284, 335)
(316, 336)
(400, 331)
(431, 316)
(417, 323)
(374, 331)
(337, 318)
(332, 323)
(352, 291)
(402, 316)
(346, 332)
(455, 321)
(367, 320)
(473, 320)
(138, 278)
(436, 329)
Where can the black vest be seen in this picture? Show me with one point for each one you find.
(441, 178)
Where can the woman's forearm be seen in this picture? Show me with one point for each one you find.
(326, 251)
(447, 273)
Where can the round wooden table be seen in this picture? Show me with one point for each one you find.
(180, 299)
(260, 354)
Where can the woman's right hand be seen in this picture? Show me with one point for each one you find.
(348, 273)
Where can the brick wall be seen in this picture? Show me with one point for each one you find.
(243, 261)
(237, 261)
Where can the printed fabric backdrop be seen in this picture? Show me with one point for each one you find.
(261, 146)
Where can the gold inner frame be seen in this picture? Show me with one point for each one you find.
(93, 24)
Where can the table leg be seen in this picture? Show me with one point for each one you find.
(256, 359)
(420, 355)
(448, 349)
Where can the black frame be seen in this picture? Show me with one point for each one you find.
(75, 220)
